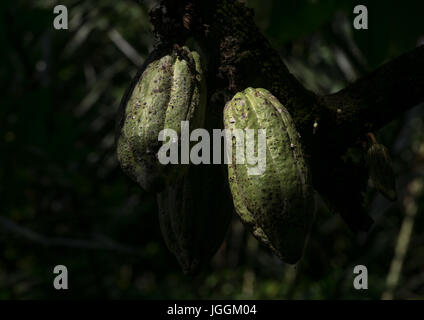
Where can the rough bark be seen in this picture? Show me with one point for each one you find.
(381, 96)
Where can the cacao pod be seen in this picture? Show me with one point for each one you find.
(278, 204)
(170, 90)
(381, 170)
(194, 215)
(245, 215)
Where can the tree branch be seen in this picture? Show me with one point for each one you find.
(101, 243)
(379, 97)
(238, 55)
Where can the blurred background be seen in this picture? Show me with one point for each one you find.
(64, 199)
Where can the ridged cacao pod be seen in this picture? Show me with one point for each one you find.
(278, 204)
(245, 215)
(194, 215)
(170, 90)
(381, 170)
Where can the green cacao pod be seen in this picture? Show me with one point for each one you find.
(381, 170)
(194, 215)
(278, 204)
(245, 215)
(170, 90)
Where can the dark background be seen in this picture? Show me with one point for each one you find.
(64, 199)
